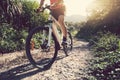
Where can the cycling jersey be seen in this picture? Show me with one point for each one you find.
(59, 5)
(53, 1)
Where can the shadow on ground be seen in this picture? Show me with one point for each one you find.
(26, 70)
(20, 72)
(23, 71)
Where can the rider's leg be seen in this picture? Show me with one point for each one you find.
(62, 26)
(55, 32)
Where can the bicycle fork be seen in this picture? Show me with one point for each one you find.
(50, 34)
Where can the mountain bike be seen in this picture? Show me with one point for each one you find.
(42, 45)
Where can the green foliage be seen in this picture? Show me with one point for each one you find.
(6, 41)
(85, 32)
(29, 17)
(105, 42)
(9, 10)
(22, 18)
(74, 27)
(88, 31)
(20, 13)
(11, 39)
(106, 54)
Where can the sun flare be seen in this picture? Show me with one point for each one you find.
(77, 7)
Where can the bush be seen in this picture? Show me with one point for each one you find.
(11, 39)
(105, 42)
(106, 49)
(30, 18)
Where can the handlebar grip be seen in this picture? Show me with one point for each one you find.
(43, 8)
(37, 11)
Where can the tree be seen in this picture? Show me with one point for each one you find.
(105, 13)
(17, 17)
(9, 10)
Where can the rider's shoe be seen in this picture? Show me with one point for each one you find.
(64, 42)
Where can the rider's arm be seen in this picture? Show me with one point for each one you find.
(57, 3)
(41, 4)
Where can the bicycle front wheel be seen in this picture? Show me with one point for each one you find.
(37, 49)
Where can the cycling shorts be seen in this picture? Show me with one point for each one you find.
(57, 12)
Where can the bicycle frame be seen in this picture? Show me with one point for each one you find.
(50, 21)
(50, 34)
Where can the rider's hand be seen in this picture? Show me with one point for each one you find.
(39, 10)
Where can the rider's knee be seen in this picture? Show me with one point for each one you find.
(61, 19)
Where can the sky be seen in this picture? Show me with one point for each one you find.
(77, 7)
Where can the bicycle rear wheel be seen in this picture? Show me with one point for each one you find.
(68, 47)
(37, 49)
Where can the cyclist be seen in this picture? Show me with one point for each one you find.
(58, 12)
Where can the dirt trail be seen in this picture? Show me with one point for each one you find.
(15, 66)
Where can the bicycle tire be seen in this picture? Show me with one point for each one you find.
(29, 54)
(69, 46)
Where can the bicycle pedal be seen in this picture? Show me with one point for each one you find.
(64, 43)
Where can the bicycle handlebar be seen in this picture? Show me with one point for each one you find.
(43, 8)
